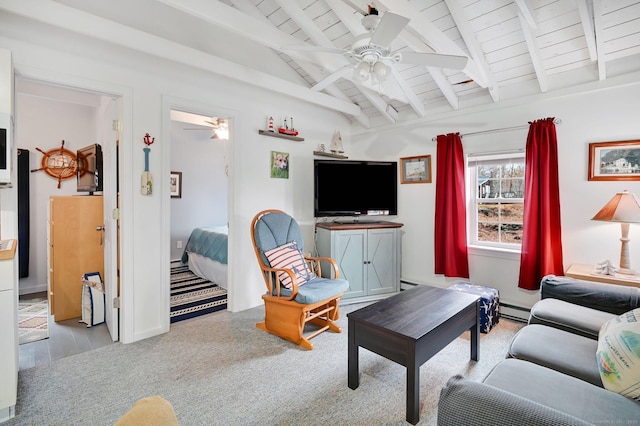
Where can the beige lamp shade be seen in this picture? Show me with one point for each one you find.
(624, 208)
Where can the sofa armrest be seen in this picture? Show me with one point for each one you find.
(613, 298)
(464, 402)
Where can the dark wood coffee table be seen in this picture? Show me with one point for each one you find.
(409, 328)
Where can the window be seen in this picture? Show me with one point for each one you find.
(496, 194)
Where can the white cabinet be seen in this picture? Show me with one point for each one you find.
(367, 254)
(8, 329)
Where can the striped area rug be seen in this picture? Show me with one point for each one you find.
(192, 296)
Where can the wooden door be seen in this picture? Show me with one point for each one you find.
(76, 248)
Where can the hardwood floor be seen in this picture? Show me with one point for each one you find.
(66, 338)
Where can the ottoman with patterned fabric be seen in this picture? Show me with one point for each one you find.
(489, 303)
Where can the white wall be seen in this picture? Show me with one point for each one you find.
(149, 87)
(598, 116)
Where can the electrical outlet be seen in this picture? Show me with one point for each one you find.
(179, 244)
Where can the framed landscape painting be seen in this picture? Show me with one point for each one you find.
(415, 169)
(614, 160)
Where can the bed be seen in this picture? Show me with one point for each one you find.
(206, 253)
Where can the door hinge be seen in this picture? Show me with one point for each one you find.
(116, 303)
(115, 214)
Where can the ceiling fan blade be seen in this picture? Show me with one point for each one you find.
(388, 29)
(434, 60)
(331, 78)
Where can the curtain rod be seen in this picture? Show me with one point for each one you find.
(503, 129)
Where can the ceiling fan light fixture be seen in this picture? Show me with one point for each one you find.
(362, 71)
(381, 71)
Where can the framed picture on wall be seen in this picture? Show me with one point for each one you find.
(175, 184)
(415, 169)
(614, 160)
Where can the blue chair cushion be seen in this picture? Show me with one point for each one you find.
(317, 290)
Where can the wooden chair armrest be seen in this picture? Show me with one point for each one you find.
(315, 265)
(272, 273)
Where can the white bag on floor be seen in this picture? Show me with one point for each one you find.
(93, 299)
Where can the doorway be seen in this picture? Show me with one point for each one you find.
(199, 160)
(45, 115)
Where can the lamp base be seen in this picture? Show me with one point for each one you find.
(626, 271)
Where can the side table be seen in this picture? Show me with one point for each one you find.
(585, 272)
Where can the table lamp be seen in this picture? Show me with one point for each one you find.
(624, 207)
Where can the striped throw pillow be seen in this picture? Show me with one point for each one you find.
(289, 256)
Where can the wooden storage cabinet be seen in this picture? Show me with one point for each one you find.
(367, 254)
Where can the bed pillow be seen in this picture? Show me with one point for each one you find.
(289, 256)
(618, 354)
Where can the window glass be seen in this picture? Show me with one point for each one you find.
(496, 194)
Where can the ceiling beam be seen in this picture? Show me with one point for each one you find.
(475, 49)
(587, 27)
(93, 26)
(527, 13)
(532, 46)
(598, 27)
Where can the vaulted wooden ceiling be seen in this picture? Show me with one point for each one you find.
(514, 48)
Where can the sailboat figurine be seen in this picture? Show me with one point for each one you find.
(336, 143)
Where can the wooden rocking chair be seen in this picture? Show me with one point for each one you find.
(297, 293)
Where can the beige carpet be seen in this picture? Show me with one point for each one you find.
(219, 369)
(33, 317)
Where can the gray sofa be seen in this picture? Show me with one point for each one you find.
(550, 375)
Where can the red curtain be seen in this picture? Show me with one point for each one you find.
(541, 239)
(451, 209)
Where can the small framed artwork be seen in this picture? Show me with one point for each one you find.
(175, 184)
(279, 165)
(614, 160)
(415, 169)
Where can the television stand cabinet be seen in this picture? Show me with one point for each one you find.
(368, 255)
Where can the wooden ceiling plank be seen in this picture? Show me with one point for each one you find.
(587, 26)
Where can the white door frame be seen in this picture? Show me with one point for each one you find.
(170, 103)
(120, 331)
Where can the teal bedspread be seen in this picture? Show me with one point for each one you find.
(210, 242)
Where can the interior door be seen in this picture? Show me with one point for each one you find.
(77, 247)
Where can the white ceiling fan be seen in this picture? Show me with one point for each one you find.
(370, 53)
(219, 126)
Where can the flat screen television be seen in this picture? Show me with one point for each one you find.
(89, 172)
(355, 188)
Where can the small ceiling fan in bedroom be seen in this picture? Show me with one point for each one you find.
(370, 53)
(219, 126)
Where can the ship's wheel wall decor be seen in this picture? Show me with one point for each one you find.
(59, 163)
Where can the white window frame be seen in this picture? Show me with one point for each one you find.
(472, 199)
